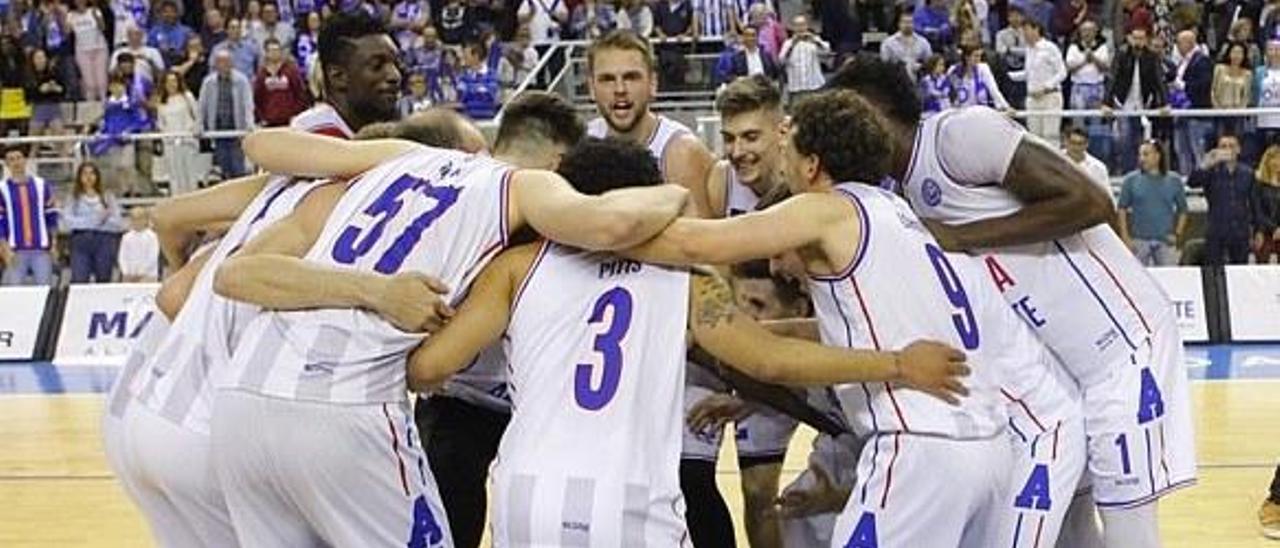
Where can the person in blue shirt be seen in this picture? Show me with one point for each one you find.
(934, 23)
(168, 35)
(478, 90)
(1152, 209)
(28, 222)
(245, 53)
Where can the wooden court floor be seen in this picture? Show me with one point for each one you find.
(56, 489)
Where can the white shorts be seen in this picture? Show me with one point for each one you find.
(1042, 483)
(299, 473)
(703, 446)
(1140, 435)
(926, 491)
(764, 436)
(165, 469)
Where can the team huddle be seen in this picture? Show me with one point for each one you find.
(986, 363)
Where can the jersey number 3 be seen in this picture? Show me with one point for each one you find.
(608, 345)
(358, 239)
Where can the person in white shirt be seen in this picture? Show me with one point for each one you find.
(545, 18)
(139, 258)
(1076, 145)
(1044, 75)
(150, 62)
(801, 55)
(905, 47)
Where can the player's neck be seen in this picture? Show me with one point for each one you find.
(345, 112)
(904, 136)
(641, 132)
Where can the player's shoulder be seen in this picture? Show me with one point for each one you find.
(516, 262)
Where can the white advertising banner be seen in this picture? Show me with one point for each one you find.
(101, 321)
(1253, 293)
(21, 313)
(1184, 286)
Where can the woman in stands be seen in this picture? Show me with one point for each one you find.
(93, 216)
(176, 113)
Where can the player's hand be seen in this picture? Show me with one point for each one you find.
(823, 497)
(413, 302)
(716, 410)
(935, 369)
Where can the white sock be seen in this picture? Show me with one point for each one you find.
(1132, 528)
(1081, 529)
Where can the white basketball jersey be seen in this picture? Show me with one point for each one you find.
(901, 288)
(665, 132)
(434, 211)
(591, 455)
(178, 377)
(1085, 295)
(738, 197)
(322, 119)
(483, 382)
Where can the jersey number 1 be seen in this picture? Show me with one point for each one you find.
(356, 240)
(608, 345)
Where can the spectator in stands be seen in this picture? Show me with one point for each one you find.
(47, 92)
(965, 18)
(934, 86)
(15, 75)
(425, 56)
(592, 19)
(750, 60)
(1233, 88)
(195, 64)
(139, 258)
(94, 220)
(496, 58)
(253, 20)
(408, 18)
(478, 90)
(715, 19)
(545, 18)
(279, 90)
(771, 32)
(972, 81)
(245, 53)
(933, 23)
(1068, 16)
(271, 27)
(522, 55)
(137, 84)
(1089, 62)
(674, 19)
(306, 47)
(1229, 187)
(1241, 33)
(636, 16)
(28, 222)
(148, 59)
(46, 28)
(1044, 75)
(214, 30)
(455, 22)
(905, 46)
(1266, 88)
(1152, 209)
(178, 112)
(802, 57)
(89, 29)
(417, 99)
(168, 35)
(122, 115)
(1137, 82)
(1077, 148)
(1266, 207)
(129, 13)
(1011, 47)
(1192, 87)
(226, 103)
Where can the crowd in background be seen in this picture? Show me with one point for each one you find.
(196, 66)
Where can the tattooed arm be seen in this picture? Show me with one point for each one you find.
(743, 344)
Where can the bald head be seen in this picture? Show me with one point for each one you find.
(1186, 41)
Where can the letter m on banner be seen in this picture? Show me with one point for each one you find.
(110, 324)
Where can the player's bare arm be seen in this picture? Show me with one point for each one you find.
(480, 321)
(743, 344)
(269, 271)
(613, 220)
(717, 190)
(1059, 200)
(688, 163)
(173, 293)
(294, 152)
(178, 219)
(799, 223)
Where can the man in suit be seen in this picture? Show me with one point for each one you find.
(1192, 87)
(1137, 83)
(751, 60)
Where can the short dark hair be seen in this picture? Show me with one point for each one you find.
(623, 39)
(595, 166)
(124, 57)
(1035, 24)
(435, 127)
(1228, 134)
(748, 94)
(15, 148)
(539, 115)
(272, 41)
(846, 133)
(1076, 131)
(884, 82)
(339, 30)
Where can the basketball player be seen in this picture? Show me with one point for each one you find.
(872, 265)
(590, 457)
(360, 76)
(1040, 225)
(332, 456)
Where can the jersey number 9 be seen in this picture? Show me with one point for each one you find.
(966, 325)
(608, 345)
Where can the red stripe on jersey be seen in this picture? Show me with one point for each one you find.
(875, 340)
(888, 475)
(395, 450)
(1025, 409)
(1120, 287)
(330, 130)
